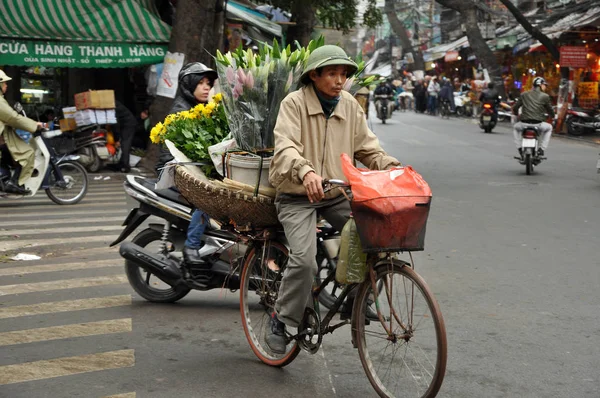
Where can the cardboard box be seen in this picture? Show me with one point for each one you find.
(68, 124)
(85, 117)
(100, 99)
(106, 116)
(100, 116)
(69, 112)
(111, 116)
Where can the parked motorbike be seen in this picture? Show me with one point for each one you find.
(63, 179)
(383, 107)
(462, 104)
(487, 120)
(583, 121)
(529, 149)
(153, 262)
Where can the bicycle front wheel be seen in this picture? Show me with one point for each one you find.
(404, 354)
(261, 278)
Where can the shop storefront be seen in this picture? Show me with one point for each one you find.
(54, 48)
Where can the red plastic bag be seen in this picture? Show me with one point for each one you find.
(390, 207)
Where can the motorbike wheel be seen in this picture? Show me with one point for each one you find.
(72, 188)
(528, 164)
(95, 163)
(144, 283)
(575, 130)
(460, 111)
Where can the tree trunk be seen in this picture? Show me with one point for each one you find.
(563, 89)
(400, 30)
(197, 33)
(303, 15)
(483, 52)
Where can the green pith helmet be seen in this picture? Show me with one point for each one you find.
(325, 56)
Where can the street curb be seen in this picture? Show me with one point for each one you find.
(595, 142)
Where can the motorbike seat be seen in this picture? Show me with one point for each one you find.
(170, 194)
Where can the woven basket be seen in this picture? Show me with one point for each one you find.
(225, 205)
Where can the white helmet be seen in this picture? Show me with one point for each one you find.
(4, 77)
(538, 81)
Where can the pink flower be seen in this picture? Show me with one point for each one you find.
(249, 80)
(348, 84)
(230, 75)
(238, 90)
(241, 76)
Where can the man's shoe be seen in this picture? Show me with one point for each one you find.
(191, 256)
(540, 153)
(11, 187)
(275, 337)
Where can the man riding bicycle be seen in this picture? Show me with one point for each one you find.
(315, 125)
(536, 104)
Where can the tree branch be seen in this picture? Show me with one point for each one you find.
(532, 30)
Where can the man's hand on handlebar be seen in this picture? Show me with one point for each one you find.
(313, 183)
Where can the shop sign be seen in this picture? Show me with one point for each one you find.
(573, 56)
(451, 56)
(79, 54)
(587, 91)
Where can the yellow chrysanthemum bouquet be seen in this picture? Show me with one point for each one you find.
(195, 130)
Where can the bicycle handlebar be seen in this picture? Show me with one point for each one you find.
(329, 184)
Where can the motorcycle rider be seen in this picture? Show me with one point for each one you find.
(536, 104)
(382, 89)
(303, 157)
(22, 153)
(490, 95)
(195, 82)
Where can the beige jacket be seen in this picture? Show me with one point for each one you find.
(19, 150)
(306, 141)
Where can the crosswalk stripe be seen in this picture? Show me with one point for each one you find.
(23, 244)
(60, 214)
(35, 269)
(46, 369)
(65, 331)
(84, 204)
(12, 224)
(62, 284)
(126, 395)
(65, 230)
(97, 250)
(64, 306)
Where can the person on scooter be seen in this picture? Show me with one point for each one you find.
(535, 106)
(315, 125)
(21, 152)
(490, 95)
(383, 89)
(195, 82)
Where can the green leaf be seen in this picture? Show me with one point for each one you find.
(275, 52)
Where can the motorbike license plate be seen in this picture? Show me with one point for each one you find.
(528, 143)
(487, 118)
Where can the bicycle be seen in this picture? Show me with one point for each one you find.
(445, 110)
(410, 323)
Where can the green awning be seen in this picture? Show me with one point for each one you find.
(81, 33)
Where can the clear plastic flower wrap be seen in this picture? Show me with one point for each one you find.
(254, 84)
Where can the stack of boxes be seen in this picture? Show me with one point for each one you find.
(93, 107)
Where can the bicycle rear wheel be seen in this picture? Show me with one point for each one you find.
(404, 354)
(258, 294)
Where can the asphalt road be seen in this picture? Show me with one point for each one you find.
(511, 258)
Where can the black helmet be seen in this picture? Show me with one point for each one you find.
(189, 77)
(538, 81)
(197, 68)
